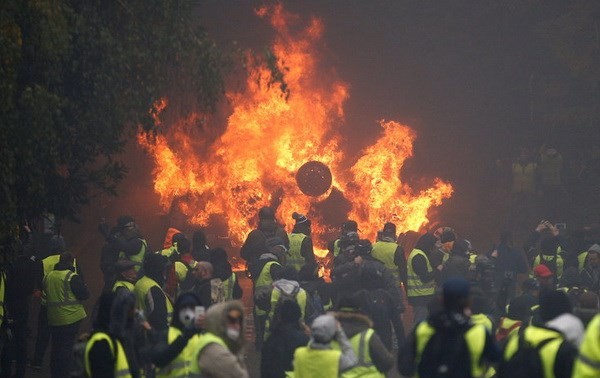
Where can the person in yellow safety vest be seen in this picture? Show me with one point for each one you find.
(374, 359)
(420, 284)
(389, 252)
(126, 276)
(301, 245)
(129, 242)
(176, 270)
(448, 342)
(222, 270)
(45, 266)
(347, 227)
(64, 290)
(110, 352)
(220, 352)
(320, 358)
(582, 257)
(548, 256)
(549, 339)
(519, 313)
(587, 364)
(149, 295)
(524, 175)
(175, 351)
(285, 288)
(267, 270)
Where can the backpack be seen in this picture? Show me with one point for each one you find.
(526, 362)
(283, 297)
(315, 306)
(217, 290)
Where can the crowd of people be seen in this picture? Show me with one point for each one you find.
(424, 304)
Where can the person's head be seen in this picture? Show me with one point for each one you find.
(363, 248)
(544, 276)
(549, 245)
(460, 248)
(126, 270)
(66, 259)
(593, 256)
(388, 233)
(447, 239)
(302, 224)
(349, 226)
(426, 243)
(226, 320)
(456, 294)
(185, 310)
(276, 246)
(323, 329)
(203, 270)
(183, 244)
(126, 224)
(484, 271)
(155, 266)
(553, 303)
(266, 214)
(309, 272)
(519, 309)
(56, 245)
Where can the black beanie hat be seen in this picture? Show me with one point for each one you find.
(266, 213)
(154, 263)
(301, 219)
(456, 291)
(447, 236)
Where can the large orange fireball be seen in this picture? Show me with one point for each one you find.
(270, 134)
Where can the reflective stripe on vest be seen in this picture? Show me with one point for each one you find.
(228, 286)
(126, 284)
(181, 366)
(138, 258)
(204, 340)
(141, 291)
(48, 264)
(336, 248)
(474, 338)
(587, 364)
(121, 363)
(310, 363)
(414, 286)
(364, 367)
(384, 252)
(294, 257)
(534, 336)
(63, 306)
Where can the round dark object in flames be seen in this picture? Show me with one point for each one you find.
(314, 178)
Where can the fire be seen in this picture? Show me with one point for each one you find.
(274, 128)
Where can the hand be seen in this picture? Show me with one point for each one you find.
(555, 231)
(358, 260)
(495, 253)
(200, 321)
(440, 267)
(542, 226)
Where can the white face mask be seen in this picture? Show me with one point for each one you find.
(233, 334)
(187, 316)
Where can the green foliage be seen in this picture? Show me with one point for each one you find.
(77, 78)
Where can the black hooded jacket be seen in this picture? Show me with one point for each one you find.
(113, 319)
(447, 347)
(256, 242)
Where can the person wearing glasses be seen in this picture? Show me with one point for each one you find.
(221, 347)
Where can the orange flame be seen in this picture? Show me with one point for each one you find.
(270, 134)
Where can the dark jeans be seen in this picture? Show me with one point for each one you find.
(43, 336)
(16, 348)
(62, 340)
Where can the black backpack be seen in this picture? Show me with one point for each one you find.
(526, 362)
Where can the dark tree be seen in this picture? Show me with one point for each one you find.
(77, 78)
